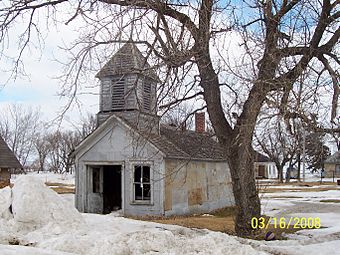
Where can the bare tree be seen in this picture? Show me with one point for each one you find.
(181, 116)
(43, 148)
(88, 125)
(281, 39)
(19, 126)
(277, 144)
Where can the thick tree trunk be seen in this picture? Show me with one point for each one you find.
(241, 163)
(237, 144)
(279, 172)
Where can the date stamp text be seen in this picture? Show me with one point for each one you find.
(286, 223)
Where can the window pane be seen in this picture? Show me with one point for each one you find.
(138, 192)
(146, 174)
(138, 173)
(146, 192)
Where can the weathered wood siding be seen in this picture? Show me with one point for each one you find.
(330, 169)
(117, 145)
(5, 177)
(196, 187)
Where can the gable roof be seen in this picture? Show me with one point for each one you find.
(194, 145)
(174, 143)
(333, 159)
(7, 157)
(127, 60)
(259, 157)
(170, 142)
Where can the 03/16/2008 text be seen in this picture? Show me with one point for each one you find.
(286, 223)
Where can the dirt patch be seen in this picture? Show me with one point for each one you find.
(288, 197)
(59, 184)
(61, 188)
(221, 224)
(64, 190)
(330, 201)
(222, 220)
(311, 189)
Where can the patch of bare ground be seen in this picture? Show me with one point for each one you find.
(330, 201)
(61, 188)
(222, 220)
(298, 187)
(64, 190)
(59, 184)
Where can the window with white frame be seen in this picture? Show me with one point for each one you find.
(141, 183)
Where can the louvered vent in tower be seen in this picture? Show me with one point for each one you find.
(118, 93)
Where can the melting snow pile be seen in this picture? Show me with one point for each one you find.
(31, 206)
(36, 204)
(5, 202)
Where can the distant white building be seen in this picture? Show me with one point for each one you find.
(264, 167)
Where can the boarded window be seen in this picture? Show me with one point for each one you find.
(141, 183)
(147, 95)
(118, 93)
(96, 180)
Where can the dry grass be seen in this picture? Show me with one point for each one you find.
(59, 184)
(280, 234)
(61, 188)
(285, 197)
(299, 188)
(225, 225)
(330, 201)
(221, 220)
(64, 190)
(298, 184)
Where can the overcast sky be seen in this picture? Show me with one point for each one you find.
(41, 88)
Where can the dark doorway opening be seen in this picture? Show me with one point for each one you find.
(112, 188)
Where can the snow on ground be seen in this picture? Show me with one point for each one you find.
(44, 223)
(48, 177)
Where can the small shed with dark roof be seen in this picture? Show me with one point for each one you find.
(8, 161)
(332, 165)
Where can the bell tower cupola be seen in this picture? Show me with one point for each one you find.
(127, 86)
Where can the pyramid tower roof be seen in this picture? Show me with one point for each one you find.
(128, 59)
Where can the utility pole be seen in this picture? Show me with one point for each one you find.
(304, 155)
